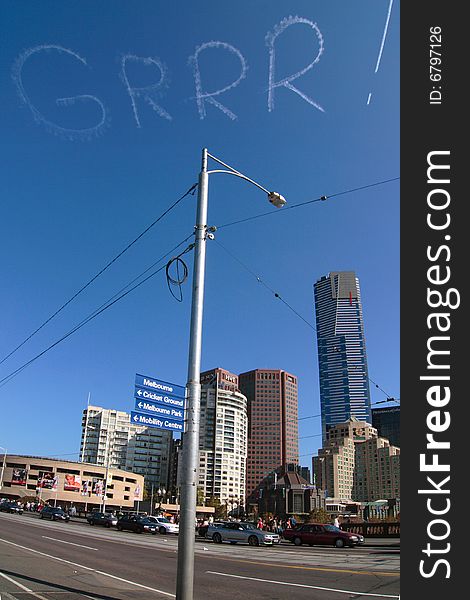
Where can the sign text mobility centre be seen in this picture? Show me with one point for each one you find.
(158, 404)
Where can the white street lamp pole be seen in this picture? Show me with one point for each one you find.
(190, 448)
(82, 457)
(106, 473)
(3, 466)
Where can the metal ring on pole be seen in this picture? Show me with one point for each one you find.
(180, 278)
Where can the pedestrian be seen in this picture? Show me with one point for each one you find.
(336, 522)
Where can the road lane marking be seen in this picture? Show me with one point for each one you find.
(70, 543)
(69, 562)
(22, 587)
(142, 544)
(327, 569)
(301, 585)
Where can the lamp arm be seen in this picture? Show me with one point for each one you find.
(237, 174)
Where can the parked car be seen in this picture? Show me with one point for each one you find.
(100, 518)
(164, 525)
(202, 530)
(235, 532)
(54, 514)
(325, 535)
(11, 507)
(137, 524)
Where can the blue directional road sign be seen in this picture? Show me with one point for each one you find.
(158, 409)
(159, 386)
(138, 418)
(158, 397)
(158, 403)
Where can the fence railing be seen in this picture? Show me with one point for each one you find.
(384, 529)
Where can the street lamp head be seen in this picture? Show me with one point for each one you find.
(276, 199)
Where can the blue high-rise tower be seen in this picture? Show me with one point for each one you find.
(342, 361)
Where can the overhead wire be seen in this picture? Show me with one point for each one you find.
(279, 297)
(300, 204)
(112, 261)
(113, 300)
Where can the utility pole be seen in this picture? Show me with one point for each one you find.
(190, 448)
(82, 457)
(189, 464)
(105, 485)
(3, 466)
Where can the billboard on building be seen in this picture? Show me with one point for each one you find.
(98, 486)
(47, 480)
(72, 483)
(86, 487)
(19, 476)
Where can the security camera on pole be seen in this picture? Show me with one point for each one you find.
(190, 448)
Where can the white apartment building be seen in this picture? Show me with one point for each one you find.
(223, 438)
(110, 440)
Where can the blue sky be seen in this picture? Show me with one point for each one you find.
(82, 178)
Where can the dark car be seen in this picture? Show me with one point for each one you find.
(137, 524)
(54, 514)
(100, 518)
(325, 535)
(11, 507)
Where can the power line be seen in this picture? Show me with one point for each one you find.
(263, 283)
(159, 218)
(319, 199)
(278, 296)
(116, 298)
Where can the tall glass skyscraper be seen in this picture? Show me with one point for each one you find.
(342, 361)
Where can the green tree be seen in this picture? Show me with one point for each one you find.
(200, 497)
(318, 515)
(219, 507)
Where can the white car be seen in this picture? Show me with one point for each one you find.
(164, 525)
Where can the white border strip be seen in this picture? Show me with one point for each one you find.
(70, 543)
(21, 586)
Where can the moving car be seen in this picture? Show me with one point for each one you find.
(235, 532)
(11, 507)
(54, 514)
(164, 525)
(137, 524)
(326, 535)
(100, 518)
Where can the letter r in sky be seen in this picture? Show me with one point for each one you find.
(286, 81)
(203, 97)
(149, 93)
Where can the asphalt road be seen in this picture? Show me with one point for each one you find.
(66, 561)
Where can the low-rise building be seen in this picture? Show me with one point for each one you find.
(286, 492)
(67, 483)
